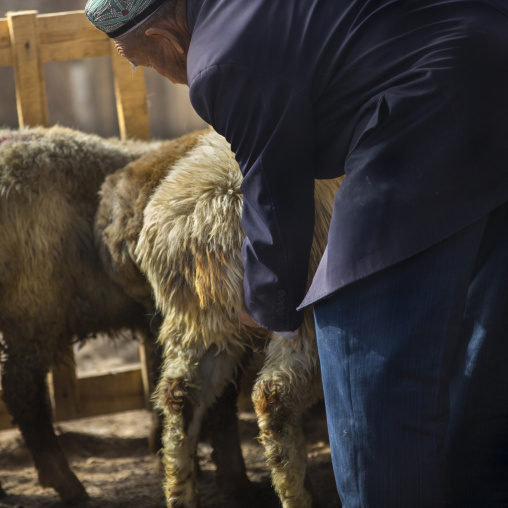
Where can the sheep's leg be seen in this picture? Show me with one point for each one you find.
(282, 437)
(188, 387)
(154, 360)
(182, 421)
(288, 384)
(222, 428)
(25, 393)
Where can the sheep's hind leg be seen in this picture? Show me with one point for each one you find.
(279, 416)
(222, 429)
(187, 388)
(153, 352)
(25, 393)
(178, 399)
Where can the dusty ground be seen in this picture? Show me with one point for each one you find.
(110, 456)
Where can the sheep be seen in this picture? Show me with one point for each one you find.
(124, 196)
(53, 285)
(189, 249)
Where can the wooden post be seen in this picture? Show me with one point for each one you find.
(134, 122)
(150, 360)
(146, 375)
(63, 390)
(28, 73)
(131, 103)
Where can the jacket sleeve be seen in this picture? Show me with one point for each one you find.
(270, 127)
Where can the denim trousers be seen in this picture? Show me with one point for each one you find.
(414, 362)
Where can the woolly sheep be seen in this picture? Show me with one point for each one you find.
(189, 249)
(53, 286)
(119, 220)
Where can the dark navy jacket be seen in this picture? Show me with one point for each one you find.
(408, 98)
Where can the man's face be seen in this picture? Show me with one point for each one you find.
(157, 54)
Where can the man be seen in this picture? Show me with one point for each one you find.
(409, 99)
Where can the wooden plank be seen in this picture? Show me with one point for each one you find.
(5, 44)
(5, 416)
(67, 26)
(62, 36)
(74, 50)
(64, 391)
(121, 390)
(113, 392)
(70, 36)
(146, 373)
(30, 87)
(131, 103)
(150, 368)
(5, 38)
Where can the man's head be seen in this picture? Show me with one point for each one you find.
(150, 33)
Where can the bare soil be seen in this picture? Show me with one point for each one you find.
(110, 456)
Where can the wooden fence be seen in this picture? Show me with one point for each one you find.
(27, 40)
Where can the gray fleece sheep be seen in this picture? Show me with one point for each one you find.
(53, 285)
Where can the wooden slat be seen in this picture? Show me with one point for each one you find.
(30, 87)
(63, 36)
(116, 391)
(150, 368)
(131, 103)
(74, 50)
(146, 373)
(67, 26)
(5, 44)
(121, 390)
(5, 417)
(70, 36)
(64, 392)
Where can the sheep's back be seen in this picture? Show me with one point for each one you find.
(49, 180)
(119, 218)
(39, 159)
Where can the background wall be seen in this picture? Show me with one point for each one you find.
(80, 92)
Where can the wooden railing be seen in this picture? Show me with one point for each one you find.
(27, 41)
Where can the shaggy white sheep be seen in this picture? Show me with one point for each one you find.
(190, 250)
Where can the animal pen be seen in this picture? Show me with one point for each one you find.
(27, 41)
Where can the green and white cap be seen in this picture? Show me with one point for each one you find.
(117, 17)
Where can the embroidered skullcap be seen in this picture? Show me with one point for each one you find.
(117, 17)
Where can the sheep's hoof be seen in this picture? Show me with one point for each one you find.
(241, 493)
(178, 503)
(66, 484)
(80, 498)
(73, 494)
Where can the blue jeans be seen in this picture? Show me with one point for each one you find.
(414, 362)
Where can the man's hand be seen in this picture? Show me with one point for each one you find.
(246, 319)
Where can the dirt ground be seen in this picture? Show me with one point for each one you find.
(110, 456)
